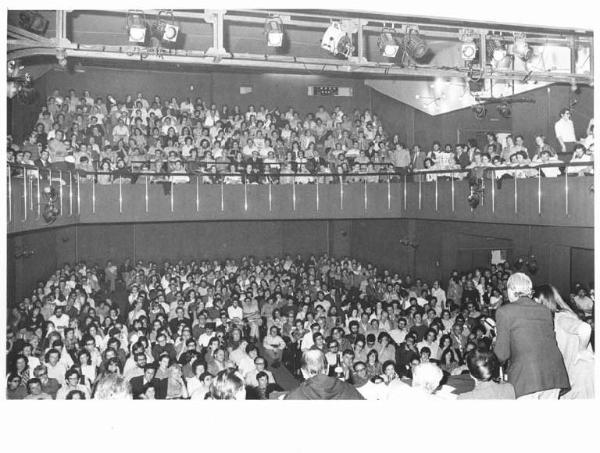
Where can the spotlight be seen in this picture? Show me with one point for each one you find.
(136, 26)
(387, 44)
(61, 56)
(336, 41)
(414, 44)
(274, 32)
(164, 29)
(11, 89)
(473, 200)
(497, 50)
(480, 111)
(520, 48)
(468, 51)
(33, 21)
(504, 110)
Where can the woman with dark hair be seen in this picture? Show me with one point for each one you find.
(573, 339)
(373, 364)
(483, 366)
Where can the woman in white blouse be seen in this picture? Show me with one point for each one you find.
(573, 338)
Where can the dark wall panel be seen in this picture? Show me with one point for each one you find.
(99, 243)
(528, 119)
(440, 244)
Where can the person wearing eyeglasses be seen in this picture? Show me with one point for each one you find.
(72, 378)
(49, 385)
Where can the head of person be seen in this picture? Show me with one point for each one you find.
(113, 387)
(427, 377)
(519, 285)
(483, 365)
(313, 362)
(228, 385)
(548, 296)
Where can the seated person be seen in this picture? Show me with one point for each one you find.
(483, 366)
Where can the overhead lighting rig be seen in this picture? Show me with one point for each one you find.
(387, 43)
(336, 41)
(164, 29)
(274, 31)
(136, 26)
(468, 50)
(521, 48)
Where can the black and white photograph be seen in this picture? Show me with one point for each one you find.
(298, 202)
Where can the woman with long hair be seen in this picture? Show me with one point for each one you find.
(573, 338)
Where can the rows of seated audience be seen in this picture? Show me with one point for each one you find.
(284, 327)
(177, 139)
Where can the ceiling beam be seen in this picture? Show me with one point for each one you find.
(301, 65)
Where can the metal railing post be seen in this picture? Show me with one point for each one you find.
(70, 194)
(436, 194)
(566, 193)
(9, 170)
(78, 195)
(245, 195)
(539, 191)
(94, 196)
(516, 195)
(366, 196)
(121, 195)
(146, 193)
(270, 196)
(405, 192)
(61, 191)
(197, 194)
(294, 192)
(25, 194)
(172, 195)
(420, 193)
(389, 193)
(222, 198)
(493, 191)
(452, 190)
(317, 196)
(38, 195)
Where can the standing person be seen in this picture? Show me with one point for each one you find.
(565, 131)
(573, 338)
(526, 339)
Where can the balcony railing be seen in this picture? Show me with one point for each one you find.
(125, 196)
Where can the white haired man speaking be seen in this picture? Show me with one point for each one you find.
(526, 340)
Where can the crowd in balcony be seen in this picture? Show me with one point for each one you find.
(316, 328)
(177, 139)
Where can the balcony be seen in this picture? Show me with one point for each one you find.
(565, 200)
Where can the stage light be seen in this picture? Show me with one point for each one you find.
(414, 44)
(164, 29)
(520, 48)
(504, 110)
(480, 111)
(11, 89)
(387, 44)
(274, 32)
(497, 50)
(468, 51)
(473, 200)
(336, 41)
(136, 26)
(33, 22)
(61, 56)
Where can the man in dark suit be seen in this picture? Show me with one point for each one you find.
(526, 339)
(140, 384)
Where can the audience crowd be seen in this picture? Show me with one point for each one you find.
(284, 327)
(176, 139)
